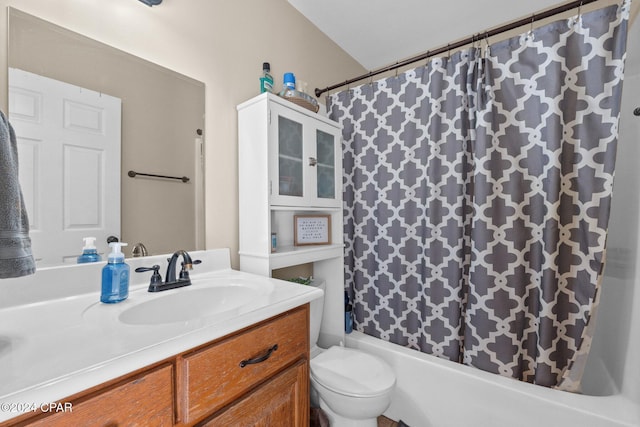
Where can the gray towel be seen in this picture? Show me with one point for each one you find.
(16, 259)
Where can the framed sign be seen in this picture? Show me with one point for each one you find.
(311, 230)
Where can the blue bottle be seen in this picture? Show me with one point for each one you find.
(89, 252)
(289, 81)
(348, 319)
(115, 276)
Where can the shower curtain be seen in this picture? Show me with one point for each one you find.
(476, 195)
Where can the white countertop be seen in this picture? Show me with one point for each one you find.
(51, 349)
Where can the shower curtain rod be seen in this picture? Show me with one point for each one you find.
(469, 40)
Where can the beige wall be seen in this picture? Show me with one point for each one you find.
(161, 112)
(221, 43)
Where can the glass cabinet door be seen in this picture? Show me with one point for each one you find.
(326, 165)
(290, 167)
(304, 158)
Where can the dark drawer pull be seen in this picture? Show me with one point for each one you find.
(259, 359)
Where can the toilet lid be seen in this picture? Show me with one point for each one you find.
(352, 372)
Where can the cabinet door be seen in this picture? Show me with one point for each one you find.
(287, 156)
(304, 160)
(282, 401)
(326, 178)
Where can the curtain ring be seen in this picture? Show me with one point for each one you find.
(533, 18)
(396, 67)
(574, 21)
(486, 41)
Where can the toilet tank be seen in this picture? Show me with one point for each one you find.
(315, 313)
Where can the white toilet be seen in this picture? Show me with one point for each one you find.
(352, 387)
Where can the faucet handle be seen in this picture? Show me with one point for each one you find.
(184, 272)
(191, 264)
(156, 278)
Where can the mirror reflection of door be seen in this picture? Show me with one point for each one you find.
(69, 145)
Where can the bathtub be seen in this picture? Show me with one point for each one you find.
(433, 392)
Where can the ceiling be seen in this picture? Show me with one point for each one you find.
(377, 33)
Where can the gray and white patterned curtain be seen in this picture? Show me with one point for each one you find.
(477, 192)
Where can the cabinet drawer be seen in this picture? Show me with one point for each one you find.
(213, 376)
(144, 400)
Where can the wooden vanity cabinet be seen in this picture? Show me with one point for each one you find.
(206, 385)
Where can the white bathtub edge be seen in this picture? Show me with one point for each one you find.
(477, 394)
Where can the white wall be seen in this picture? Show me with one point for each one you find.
(221, 43)
(616, 346)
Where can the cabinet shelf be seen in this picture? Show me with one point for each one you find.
(287, 208)
(288, 256)
(295, 255)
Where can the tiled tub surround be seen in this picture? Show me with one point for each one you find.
(56, 339)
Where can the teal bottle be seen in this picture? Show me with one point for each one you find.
(266, 81)
(115, 276)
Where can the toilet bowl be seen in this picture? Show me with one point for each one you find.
(352, 387)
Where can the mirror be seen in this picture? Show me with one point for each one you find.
(162, 122)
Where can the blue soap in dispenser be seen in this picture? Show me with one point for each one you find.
(115, 276)
(89, 252)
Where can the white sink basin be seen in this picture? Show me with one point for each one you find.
(184, 304)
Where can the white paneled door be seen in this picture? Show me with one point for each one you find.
(69, 153)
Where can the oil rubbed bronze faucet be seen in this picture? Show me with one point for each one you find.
(157, 285)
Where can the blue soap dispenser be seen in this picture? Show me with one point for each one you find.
(89, 252)
(115, 276)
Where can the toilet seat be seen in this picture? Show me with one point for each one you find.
(351, 372)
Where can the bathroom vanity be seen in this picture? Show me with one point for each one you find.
(232, 348)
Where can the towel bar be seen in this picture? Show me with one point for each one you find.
(133, 174)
